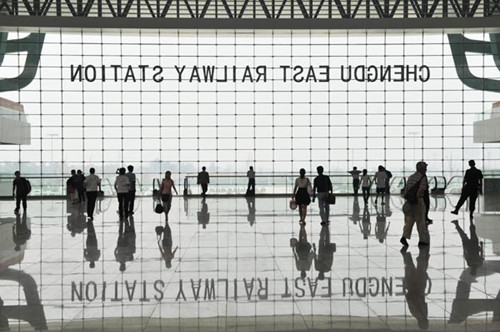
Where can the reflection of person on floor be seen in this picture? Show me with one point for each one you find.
(302, 252)
(76, 219)
(355, 211)
(415, 282)
(380, 229)
(473, 249)
(125, 245)
(20, 231)
(165, 244)
(91, 252)
(203, 215)
(366, 225)
(323, 260)
(251, 210)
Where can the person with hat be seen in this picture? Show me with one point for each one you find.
(472, 184)
(414, 207)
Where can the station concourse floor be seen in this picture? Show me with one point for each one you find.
(245, 264)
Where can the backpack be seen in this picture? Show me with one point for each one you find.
(411, 194)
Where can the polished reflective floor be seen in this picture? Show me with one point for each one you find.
(245, 264)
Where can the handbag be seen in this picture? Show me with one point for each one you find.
(330, 198)
(159, 207)
(293, 204)
(411, 194)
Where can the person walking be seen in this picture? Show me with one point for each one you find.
(122, 185)
(323, 185)
(301, 194)
(355, 179)
(78, 181)
(471, 188)
(380, 180)
(414, 207)
(203, 181)
(71, 187)
(251, 182)
(92, 185)
(166, 187)
(131, 189)
(366, 183)
(20, 190)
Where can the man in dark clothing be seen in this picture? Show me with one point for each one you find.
(203, 180)
(323, 185)
(473, 182)
(78, 181)
(20, 190)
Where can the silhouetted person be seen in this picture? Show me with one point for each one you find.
(472, 186)
(165, 244)
(381, 181)
(167, 184)
(355, 179)
(20, 231)
(302, 252)
(203, 181)
(251, 182)
(131, 190)
(203, 215)
(251, 210)
(380, 228)
(323, 260)
(366, 225)
(473, 249)
(78, 181)
(71, 187)
(366, 184)
(355, 217)
(323, 185)
(20, 190)
(125, 245)
(415, 282)
(91, 252)
(92, 185)
(414, 207)
(301, 194)
(122, 185)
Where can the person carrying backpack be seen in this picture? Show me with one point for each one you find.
(20, 190)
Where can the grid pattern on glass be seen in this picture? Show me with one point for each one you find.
(279, 101)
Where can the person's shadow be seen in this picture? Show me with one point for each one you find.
(380, 227)
(355, 211)
(125, 245)
(415, 282)
(366, 226)
(323, 260)
(91, 252)
(203, 214)
(473, 249)
(302, 252)
(21, 232)
(77, 222)
(165, 244)
(251, 209)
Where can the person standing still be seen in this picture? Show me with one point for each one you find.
(131, 190)
(92, 184)
(203, 181)
(414, 210)
(122, 185)
(355, 179)
(366, 183)
(20, 190)
(251, 182)
(472, 186)
(323, 185)
(380, 180)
